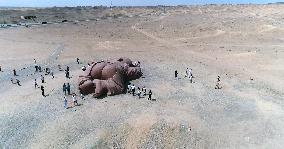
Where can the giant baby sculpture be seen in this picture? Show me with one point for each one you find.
(108, 78)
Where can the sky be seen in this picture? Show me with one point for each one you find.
(62, 3)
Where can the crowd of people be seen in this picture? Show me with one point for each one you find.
(47, 71)
(189, 75)
(141, 92)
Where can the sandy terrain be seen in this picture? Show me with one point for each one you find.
(242, 44)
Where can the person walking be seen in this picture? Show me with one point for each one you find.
(36, 85)
(68, 88)
(133, 89)
(42, 78)
(150, 95)
(18, 82)
(65, 102)
(64, 88)
(12, 80)
(42, 91)
(190, 75)
(74, 99)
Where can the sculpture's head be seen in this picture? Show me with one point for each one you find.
(86, 86)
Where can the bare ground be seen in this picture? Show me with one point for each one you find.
(242, 44)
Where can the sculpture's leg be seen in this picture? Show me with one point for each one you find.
(101, 88)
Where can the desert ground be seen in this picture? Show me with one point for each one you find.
(243, 44)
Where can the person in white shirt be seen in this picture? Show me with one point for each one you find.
(188, 73)
(42, 78)
(36, 85)
(65, 102)
(74, 99)
(144, 91)
(82, 97)
(84, 68)
(139, 92)
(129, 88)
(133, 89)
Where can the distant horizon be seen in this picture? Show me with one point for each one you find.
(139, 5)
(75, 3)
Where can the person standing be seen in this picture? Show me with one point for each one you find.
(42, 91)
(188, 73)
(42, 78)
(47, 71)
(139, 92)
(129, 88)
(64, 89)
(65, 102)
(144, 91)
(39, 69)
(68, 88)
(36, 85)
(82, 97)
(74, 99)
(78, 61)
(14, 72)
(67, 74)
(59, 68)
(0, 69)
(133, 89)
(150, 95)
(176, 73)
(218, 86)
(36, 67)
(52, 75)
(84, 68)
